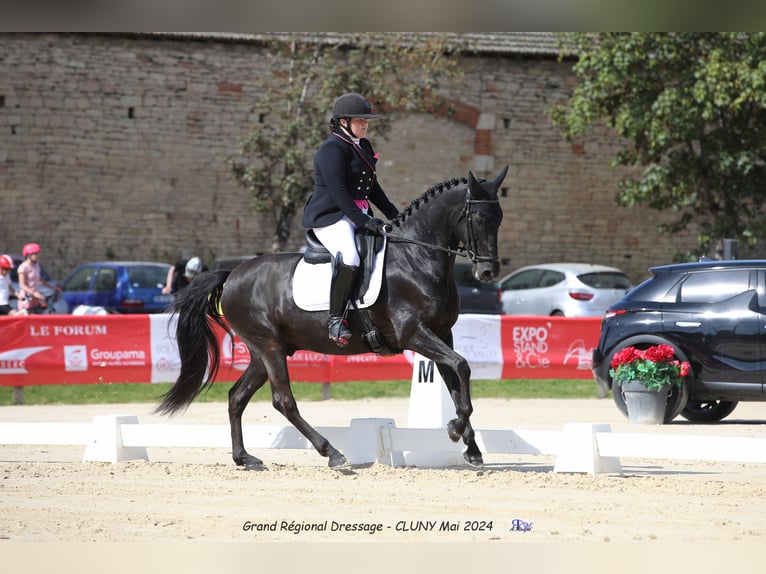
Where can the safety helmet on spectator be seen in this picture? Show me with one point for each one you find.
(30, 248)
(193, 267)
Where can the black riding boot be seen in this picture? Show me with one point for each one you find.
(340, 291)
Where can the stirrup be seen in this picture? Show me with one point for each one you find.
(339, 331)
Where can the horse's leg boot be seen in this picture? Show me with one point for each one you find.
(340, 290)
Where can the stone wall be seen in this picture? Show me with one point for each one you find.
(113, 147)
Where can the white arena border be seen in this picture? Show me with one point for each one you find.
(579, 447)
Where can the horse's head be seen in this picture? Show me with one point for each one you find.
(481, 223)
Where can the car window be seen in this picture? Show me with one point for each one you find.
(150, 276)
(106, 279)
(550, 278)
(714, 286)
(605, 280)
(80, 281)
(522, 280)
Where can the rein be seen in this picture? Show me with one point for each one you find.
(469, 253)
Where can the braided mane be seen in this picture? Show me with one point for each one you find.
(430, 193)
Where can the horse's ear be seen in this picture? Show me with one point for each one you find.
(475, 189)
(500, 177)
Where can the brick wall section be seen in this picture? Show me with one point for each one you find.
(114, 147)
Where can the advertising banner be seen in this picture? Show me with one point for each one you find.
(67, 349)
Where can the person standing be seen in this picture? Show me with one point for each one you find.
(6, 287)
(182, 273)
(345, 183)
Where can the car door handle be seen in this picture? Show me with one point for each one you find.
(687, 324)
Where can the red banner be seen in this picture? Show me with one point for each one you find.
(67, 349)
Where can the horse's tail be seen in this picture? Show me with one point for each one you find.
(194, 307)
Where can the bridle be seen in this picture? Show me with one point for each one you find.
(470, 251)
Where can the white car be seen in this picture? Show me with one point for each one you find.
(562, 289)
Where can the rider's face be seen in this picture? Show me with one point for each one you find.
(359, 127)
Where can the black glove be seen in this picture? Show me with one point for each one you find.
(373, 225)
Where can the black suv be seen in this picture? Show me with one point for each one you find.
(713, 314)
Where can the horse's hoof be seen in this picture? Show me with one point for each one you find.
(338, 462)
(250, 462)
(475, 460)
(452, 431)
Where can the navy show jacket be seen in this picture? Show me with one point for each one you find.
(344, 172)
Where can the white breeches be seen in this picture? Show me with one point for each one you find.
(340, 237)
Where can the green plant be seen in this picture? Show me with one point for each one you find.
(655, 367)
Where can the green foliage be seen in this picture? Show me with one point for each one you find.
(691, 108)
(275, 160)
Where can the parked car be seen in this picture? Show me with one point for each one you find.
(476, 296)
(118, 286)
(562, 289)
(57, 305)
(713, 314)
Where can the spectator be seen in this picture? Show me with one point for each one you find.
(6, 288)
(182, 273)
(30, 280)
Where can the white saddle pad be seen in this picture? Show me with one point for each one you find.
(311, 284)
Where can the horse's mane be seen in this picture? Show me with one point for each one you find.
(430, 193)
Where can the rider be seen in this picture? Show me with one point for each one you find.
(345, 183)
(30, 279)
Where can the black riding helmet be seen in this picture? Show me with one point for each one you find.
(352, 106)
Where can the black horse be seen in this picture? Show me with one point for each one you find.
(416, 309)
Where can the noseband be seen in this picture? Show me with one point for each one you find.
(470, 251)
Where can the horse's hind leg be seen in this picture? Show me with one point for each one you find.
(284, 401)
(239, 395)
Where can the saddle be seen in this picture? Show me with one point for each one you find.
(368, 246)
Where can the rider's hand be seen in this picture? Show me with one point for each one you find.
(374, 225)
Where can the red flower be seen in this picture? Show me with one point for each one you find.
(655, 366)
(625, 356)
(659, 353)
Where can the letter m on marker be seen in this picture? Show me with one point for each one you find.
(425, 371)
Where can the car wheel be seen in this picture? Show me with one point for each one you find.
(707, 411)
(678, 396)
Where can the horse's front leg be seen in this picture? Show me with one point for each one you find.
(461, 426)
(239, 395)
(456, 373)
(283, 400)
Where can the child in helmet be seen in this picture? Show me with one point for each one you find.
(6, 288)
(30, 279)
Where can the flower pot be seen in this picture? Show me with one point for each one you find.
(645, 406)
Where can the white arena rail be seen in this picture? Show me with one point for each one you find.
(578, 447)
